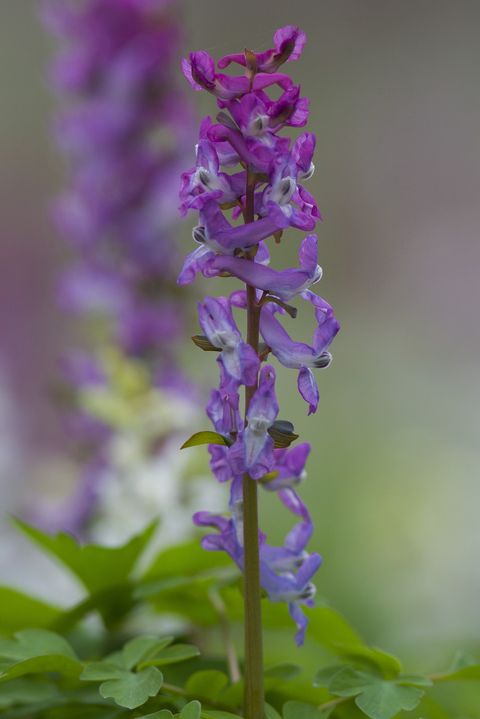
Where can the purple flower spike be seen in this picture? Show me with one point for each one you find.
(247, 187)
(124, 128)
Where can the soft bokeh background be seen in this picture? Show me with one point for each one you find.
(393, 481)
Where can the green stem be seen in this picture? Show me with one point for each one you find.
(254, 692)
(232, 660)
(334, 703)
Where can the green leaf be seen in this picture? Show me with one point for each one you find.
(36, 651)
(388, 664)
(378, 698)
(33, 643)
(131, 690)
(324, 676)
(210, 714)
(26, 692)
(232, 696)
(414, 680)
(299, 710)
(206, 684)
(101, 671)
(98, 568)
(162, 714)
(205, 437)
(192, 710)
(333, 632)
(172, 655)
(20, 611)
(271, 713)
(185, 560)
(383, 699)
(349, 682)
(141, 649)
(282, 671)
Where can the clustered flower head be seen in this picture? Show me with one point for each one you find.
(124, 127)
(248, 167)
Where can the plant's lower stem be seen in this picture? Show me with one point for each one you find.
(334, 703)
(254, 692)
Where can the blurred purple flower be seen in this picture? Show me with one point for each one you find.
(124, 127)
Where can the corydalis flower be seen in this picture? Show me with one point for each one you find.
(123, 125)
(122, 116)
(247, 170)
(238, 359)
(289, 42)
(284, 284)
(298, 355)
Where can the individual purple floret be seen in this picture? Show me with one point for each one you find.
(284, 284)
(247, 188)
(237, 358)
(298, 355)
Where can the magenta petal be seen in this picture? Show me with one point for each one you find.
(194, 263)
(300, 620)
(292, 36)
(284, 284)
(307, 386)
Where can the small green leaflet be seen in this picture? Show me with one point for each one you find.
(141, 649)
(131, 690)
(299, 710)
(218, 715)
(384, 699)
(282, 672)
(185, 560)
(366, 656)
(378, 698)
(206, 684)
(192, 710)
(127, 688)
(35, 651)
(271, 713)
(205, 437)
(172, 655)
(331, 630)
(25, 692)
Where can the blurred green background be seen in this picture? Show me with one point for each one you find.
(393, 478)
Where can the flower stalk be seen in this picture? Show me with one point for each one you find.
(254, 692)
